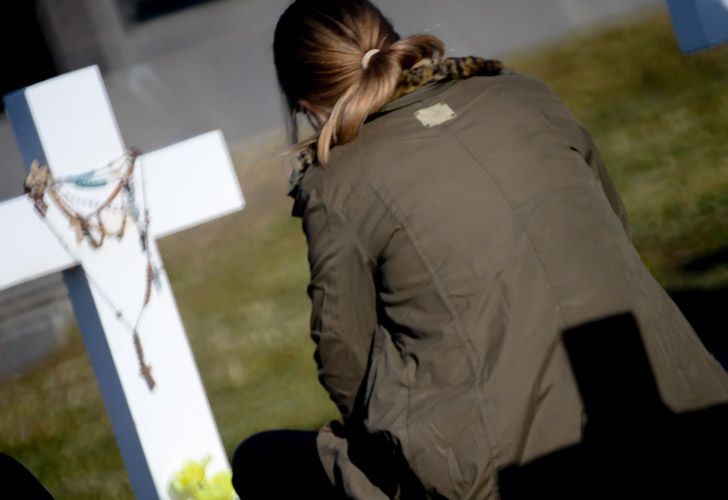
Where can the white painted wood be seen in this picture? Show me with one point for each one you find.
(175, 177)
(74, 121)
(69, 121)
(28, 249)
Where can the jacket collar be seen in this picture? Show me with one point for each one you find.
(306, 157)
(416, 96)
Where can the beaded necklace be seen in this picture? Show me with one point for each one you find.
(90, 220)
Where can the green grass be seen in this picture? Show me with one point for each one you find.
(659, 119)
(248, 324)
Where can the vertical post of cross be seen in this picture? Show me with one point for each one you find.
(67, 123)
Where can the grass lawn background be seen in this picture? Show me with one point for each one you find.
(660, 121)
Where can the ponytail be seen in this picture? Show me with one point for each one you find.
(372, 90)
(319, 49)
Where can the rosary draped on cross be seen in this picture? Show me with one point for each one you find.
(93, 224)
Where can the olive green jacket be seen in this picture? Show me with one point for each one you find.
(445, 263)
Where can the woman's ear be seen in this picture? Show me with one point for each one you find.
(304, 105)
(315, 115)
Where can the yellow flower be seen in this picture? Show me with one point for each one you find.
(191, 483)
(222, 483)
(191, 478)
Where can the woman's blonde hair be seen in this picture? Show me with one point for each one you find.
(319, 48)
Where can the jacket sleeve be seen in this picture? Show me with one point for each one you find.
(594, 159)
(343, 297)
(562, 120)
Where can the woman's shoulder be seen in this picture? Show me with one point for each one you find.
(331, 186)
(387, 145)
(510, 88)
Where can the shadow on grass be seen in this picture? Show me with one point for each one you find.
(705, 309)
(705, 262)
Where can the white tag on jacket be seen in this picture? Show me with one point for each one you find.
(435, 115)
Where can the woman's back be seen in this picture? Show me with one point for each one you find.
(446, 261)
(452, 238)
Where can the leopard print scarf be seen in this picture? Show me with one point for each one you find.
(422, 74)
(453, 68)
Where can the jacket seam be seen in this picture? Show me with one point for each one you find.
(468, 347)
(517, 217)
(433, 275)
(519, 222)
(405, 350)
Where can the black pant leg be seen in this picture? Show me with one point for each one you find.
(18, 482)
(280, 465)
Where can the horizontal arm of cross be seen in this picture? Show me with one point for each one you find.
(29, 248)
(68, 122)
(184, 190)
(190, 183)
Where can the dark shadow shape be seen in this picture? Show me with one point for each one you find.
(280, 464)
(706, 312)
(18, 482)
(705, 262)
(27, 56)
(633, 445)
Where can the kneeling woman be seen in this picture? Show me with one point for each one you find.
(458, 219)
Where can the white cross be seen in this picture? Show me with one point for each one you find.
(67, 123)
